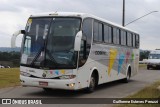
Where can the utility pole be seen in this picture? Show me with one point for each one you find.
(123, 14)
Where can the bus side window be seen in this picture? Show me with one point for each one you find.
(134, 44)
(96, 38)
(125, 38)
(129, 39)
(122, 37)
(82, 53)
(110, 35)
(97, 32)
(115, 35)
(137, 41)
(106, 34)
(100, 32)
(118, 37)
(86, 40)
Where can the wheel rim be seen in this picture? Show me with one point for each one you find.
(92, 83)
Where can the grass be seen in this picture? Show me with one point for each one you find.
(148, 92)
(142, 66)
(9, 77)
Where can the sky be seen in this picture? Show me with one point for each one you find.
(14, 15)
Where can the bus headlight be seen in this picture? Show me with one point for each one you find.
(67, 76)
(25, 74)
(71, 85)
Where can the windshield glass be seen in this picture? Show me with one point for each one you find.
(154, 56)
(60, 44)
(49, 42)
(36, 31)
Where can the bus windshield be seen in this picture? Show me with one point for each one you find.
(154, 56)
(50, 42)
(60, 43)
(36, 31)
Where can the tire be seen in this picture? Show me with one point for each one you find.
(148, 68)
(48, 90)
(92, 84)
(127, 79)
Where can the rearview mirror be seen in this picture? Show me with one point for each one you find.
(77, 42)
(14, 36)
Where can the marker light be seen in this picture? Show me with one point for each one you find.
(67, 76)
(71, 85)
(25, 74)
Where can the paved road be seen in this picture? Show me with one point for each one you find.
(109, 90)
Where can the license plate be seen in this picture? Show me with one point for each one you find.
(41, 83)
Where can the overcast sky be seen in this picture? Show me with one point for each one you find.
(14, 15)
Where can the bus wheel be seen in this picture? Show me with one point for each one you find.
(48, 90)
(148, 67)
(92, 84)
(126, 80)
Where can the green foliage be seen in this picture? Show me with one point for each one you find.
(13, 57)
(148, 92)
(144, 55)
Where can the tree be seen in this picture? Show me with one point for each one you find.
(144, 55)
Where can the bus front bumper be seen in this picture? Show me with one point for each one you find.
(67, 84)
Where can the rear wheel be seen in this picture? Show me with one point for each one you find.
(148, 67)
(92, 84)
(126, 80)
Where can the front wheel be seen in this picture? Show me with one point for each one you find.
(48, 90)
(92, 84)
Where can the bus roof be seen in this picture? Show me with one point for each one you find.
(82, 15)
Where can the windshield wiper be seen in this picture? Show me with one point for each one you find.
(51, 57)
(37, 55)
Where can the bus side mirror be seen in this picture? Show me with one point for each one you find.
(77, 43)
(14, 36)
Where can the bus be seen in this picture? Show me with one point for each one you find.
(72, 51)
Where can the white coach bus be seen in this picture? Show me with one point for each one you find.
(75, 51)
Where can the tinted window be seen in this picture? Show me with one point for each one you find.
(36, 31)
(110, 35)
(137, 41)
(87, 29)
(107, 34)
(96, 31)
(129, 39)
(134, 44)
(123, 37)
(86, 42)
(118, 36)
(114, 35)
(60, 43)
(100, 32)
